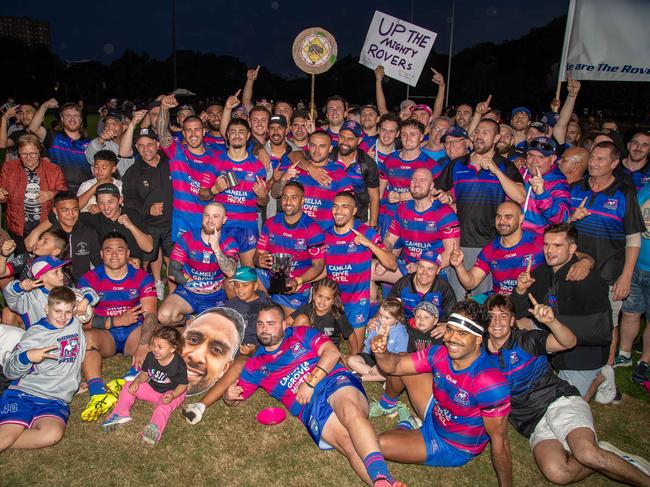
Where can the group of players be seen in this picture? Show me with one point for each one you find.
(543, 233)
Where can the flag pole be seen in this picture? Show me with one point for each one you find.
(561, 73)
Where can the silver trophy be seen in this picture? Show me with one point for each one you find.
(231, 179)
(280, 268)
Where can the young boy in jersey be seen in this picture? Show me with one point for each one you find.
(46, 369)
(29, 296)
(51, 242)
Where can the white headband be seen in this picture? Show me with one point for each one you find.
(466, 324)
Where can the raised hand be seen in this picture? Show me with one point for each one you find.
(438, 78)
(580, 212)
(456, 257)
(542, 313)
(251, 74)
(572, 86)
(168, 102)
(28, 284)
(233, 100)
(259, 188)
(483, 107)
(138, 117)
(51, 103)
(537, 182)
(361, 239)
(8, 246)
(525, 280)
(37, 355)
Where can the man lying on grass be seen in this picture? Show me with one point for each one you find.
(300, 367)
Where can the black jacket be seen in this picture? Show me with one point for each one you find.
(583, 306)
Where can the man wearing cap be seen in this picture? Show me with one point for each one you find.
(420, 224)
(549, 411)
(182, 113)
(456, 143)
(397, 169)
(28, 297)
(422, 113)
(200, 262)
(188, 162)
(361, 169)
(462, 399)
(66, 148)
(478, 183)
(423, 285)
(113, 217)
(294, 233)
(547, 191)
(104, 169)
(609, 221)
(148, 189)
(110, 139)
(519, 120)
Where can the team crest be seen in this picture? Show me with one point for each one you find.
(462, 397)
(133, 293)
(249, 176)
(611, 204)
(264, 370)
(206, 257)
(301, 244)
(69, 349)
(352, 247)
(297, 349)
(526, 259)
(513, 358)
(431, 226)
(251, 239)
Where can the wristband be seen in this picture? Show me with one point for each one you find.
(308, 384)
(321, 368)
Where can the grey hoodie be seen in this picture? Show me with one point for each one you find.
(52, 378)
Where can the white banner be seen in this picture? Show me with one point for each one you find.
(400, 47)
(607, 41)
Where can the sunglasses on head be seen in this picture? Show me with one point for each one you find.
(538, 144)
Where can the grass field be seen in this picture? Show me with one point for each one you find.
(229, 448)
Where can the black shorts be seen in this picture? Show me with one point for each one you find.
(162, 239)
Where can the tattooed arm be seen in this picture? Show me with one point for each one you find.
(168, 102)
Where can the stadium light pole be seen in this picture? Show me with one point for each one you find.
(408, 87)
(174, 42)
(451, 44)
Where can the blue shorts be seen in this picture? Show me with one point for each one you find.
(357, 314)
(200, 302)
(293, 301)
(318, 411)
(245, 235)
(439, 452)
(18, 407)
(638, 300)
(121, 334)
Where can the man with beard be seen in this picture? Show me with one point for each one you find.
(423, 284)
(294, 233)
(210, 342)
(478, 183)
(300, 367)
(519, 120)
(420, 224)
(397, 169)
(301, 128)
(278, 147)
(66, 148)
(125, 318)
(24, 114)
(464, 114)
(362, 171)
(547, 191)
(368, 121)
(242, 198)
(548, 411)
(350, 248)
(462, 398)
(188, 162)
(198, 264)
(434, 147)
(213, 138)
(336, 108)
(319, 195)
(505, 146)
(147, 188)
(636, 163)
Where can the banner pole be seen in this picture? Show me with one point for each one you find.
(312, 105)
(561, 73)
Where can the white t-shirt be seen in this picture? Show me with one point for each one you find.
(86, 185)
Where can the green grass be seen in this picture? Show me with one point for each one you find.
(230, 448)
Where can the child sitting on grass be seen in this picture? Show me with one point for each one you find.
(423, 329)
(325, 313)
(46, 369)
(389, 321)
(162, 381)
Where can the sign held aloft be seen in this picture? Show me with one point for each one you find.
(400, 47)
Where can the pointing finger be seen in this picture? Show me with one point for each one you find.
(489, 99)
(355, 231)
(238, 92)
(538, 172)
(532, 299)
(257, 69)
(584, 201)
(530, 264)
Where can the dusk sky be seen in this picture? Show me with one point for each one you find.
(262, 31)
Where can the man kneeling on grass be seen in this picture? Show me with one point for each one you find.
(300, 367)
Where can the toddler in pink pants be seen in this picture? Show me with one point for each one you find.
(162, 381)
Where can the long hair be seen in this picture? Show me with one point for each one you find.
(337, 304)
(395, 308)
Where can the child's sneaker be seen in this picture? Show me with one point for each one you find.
(150, 435)
(115, 422)
(621, 361)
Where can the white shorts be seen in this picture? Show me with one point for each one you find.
(564, 415)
